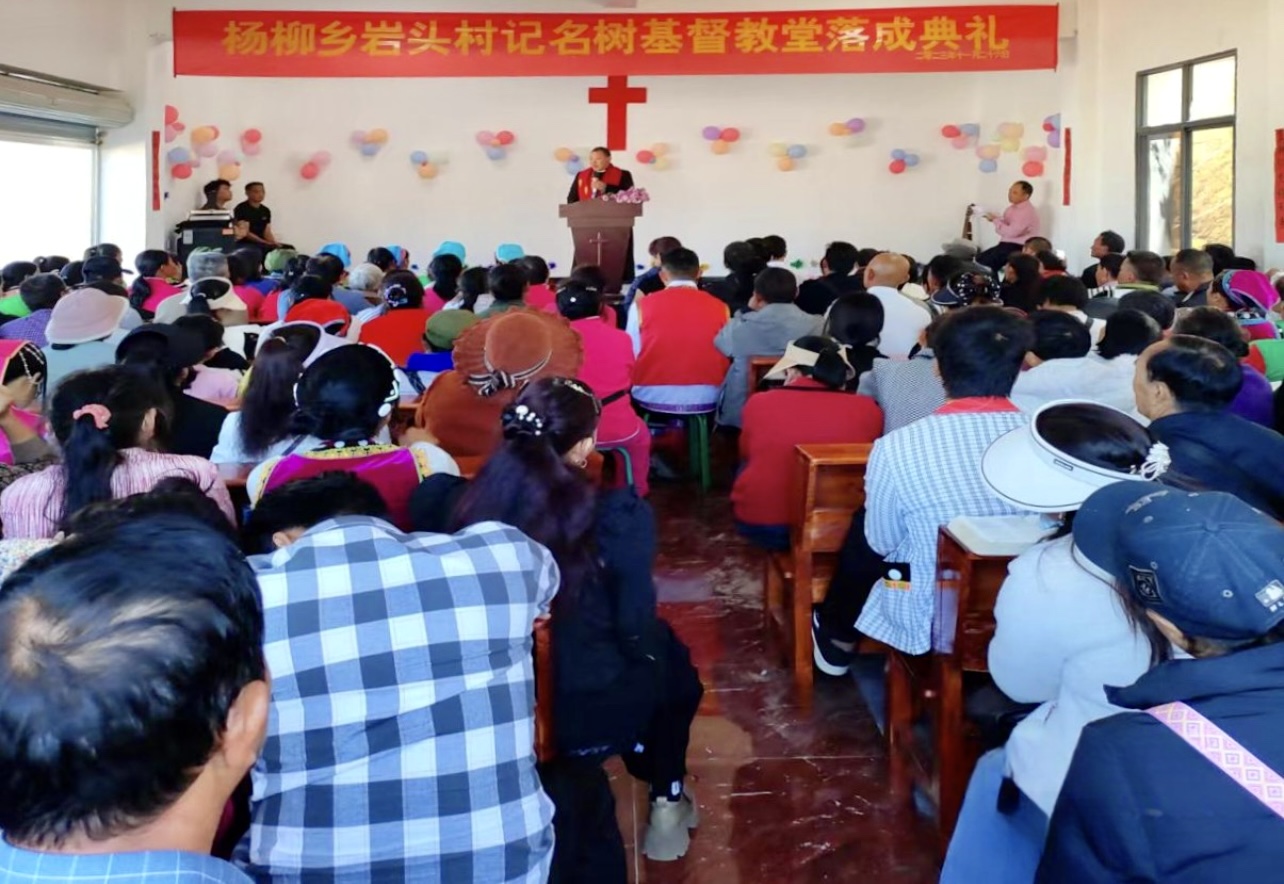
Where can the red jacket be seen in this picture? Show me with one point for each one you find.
(678, 326)
(775, 423)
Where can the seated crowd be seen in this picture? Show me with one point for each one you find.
(279, 540)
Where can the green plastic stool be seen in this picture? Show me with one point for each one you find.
(625, 457)
(697, 429)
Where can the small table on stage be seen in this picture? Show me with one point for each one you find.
(601, 230)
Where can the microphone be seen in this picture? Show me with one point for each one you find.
(598, 175)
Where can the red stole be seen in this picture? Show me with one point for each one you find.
(612, 177)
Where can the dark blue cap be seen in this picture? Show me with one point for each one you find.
(1207, 561)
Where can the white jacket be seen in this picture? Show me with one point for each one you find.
(1062, 636)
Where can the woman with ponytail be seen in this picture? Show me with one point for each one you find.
(624, 682)
(444, 271)
(111, 426)
(344, 399)
(813, 407)
(157, 280)
(399, 332)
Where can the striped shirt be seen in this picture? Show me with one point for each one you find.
(919, 478)
(32, 506)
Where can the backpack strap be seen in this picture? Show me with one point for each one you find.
(1228, 756)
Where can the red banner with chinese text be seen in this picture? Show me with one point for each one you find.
(228, 43)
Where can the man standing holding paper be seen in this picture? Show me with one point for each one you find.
(1016, 225)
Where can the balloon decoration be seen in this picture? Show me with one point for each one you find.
(1052, 126)
(204, 135)
(902, 160)
(720, 139)
(173, 126)
(229, 171)
(961, 136)
(778, 149)
(570, 160)
(787, 156)
(854, 126)
(656, 156)
(427, 166)
(370, 143)
(989, 167)
(496, 144)
(251, 142)
(317, 164)
(1034, 157)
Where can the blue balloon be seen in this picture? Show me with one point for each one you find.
(989, 166)
(575, 166)
(970, 129)
(178, 155)
(369, 150)
(911, 160)
(898, 154)
(797, 151)
(419, 158)
(496, 153)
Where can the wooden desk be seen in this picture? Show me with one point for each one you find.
(759, 368)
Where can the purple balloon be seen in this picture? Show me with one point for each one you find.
(1054, 139)
(711, 133)
(855, 125)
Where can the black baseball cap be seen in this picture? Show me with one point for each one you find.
(98, 268)
(184, 347)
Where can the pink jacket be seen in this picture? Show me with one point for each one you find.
(608, 369)
(1019, 223)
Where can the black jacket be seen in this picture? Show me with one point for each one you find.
(196, 426)
(1224, 452)
(1139, 804)
(815, 295)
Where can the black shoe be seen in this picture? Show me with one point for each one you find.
(830, 659)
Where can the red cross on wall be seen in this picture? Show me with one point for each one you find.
(617, 95)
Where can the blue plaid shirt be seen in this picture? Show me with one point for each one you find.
(18, 866)
(401, 740)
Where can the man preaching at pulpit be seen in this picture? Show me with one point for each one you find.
(600, 178)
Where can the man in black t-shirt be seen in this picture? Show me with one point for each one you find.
(257, 215)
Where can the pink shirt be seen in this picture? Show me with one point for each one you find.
(608, 369)
(1019, 223)
(32, 506)
(161, 290)
(541, 297)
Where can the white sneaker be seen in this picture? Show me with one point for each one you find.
(668, 832)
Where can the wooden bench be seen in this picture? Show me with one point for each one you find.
(544, 742)
(928, 689)
(829, 487)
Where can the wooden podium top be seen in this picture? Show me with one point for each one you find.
(600, 213)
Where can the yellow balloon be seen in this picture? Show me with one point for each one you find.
(660, 149)
(377, 136)
(720, 146)
(1010, 145)
(203, 135)
(661, 163)
(1012, 130)
(230, 172)
(839, 129)
(563, 154)
(427, 171)
(778, 149)
(988, 151)
(785, 164)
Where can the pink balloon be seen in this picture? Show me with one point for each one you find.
(309, 171)
(180, 127)
(171, 115)
(1032, 169)
(226, 157)
(252, 150)
(485, 137)
(321, 159)
(171, 134)
(961, 143)
(208, 149)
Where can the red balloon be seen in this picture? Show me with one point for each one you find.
(646, 156)
(505, 137)
(181, 171)
(897, 167)
(1032, 169)
(252, 136)
(951, 131)
(1048, 127)
(730, 135)
(310, 171)
(171, 115)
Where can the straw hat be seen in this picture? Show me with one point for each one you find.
(508, 351)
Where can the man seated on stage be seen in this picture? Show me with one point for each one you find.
(256, 215)
(1018, 223)
(218, 193)
(678, 367)
(136, 700)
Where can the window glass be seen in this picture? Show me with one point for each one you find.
(48, 199)
(1212, 179)
(1163, 98)
(1212, 89)
(1164, 190)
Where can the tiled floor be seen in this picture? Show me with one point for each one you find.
(786, 793)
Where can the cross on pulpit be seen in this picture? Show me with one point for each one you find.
(599, 241)
(617, 95)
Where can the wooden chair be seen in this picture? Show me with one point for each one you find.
(829, 484)
(928, 689)
(544, 744)
(759, 368)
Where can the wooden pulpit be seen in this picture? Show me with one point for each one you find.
(601, 230)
